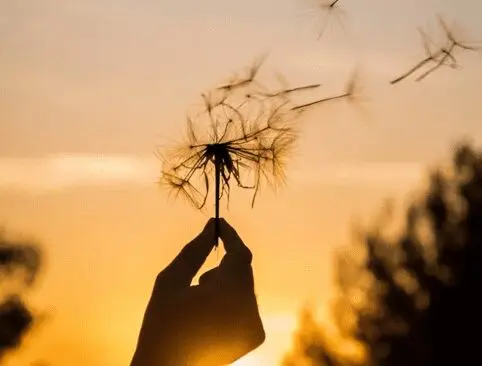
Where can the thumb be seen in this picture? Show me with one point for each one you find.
(234, 246)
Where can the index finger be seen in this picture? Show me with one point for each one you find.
(181, 271)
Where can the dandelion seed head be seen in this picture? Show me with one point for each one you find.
(242, 131)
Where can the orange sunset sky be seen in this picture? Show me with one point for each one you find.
(89, 88)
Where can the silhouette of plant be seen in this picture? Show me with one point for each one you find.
(243, 133)
(438, 57)
(18, 258)
(19, 262)
(412, 298)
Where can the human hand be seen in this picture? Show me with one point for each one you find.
(213, 323)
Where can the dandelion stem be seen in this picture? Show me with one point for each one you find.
(217, 164)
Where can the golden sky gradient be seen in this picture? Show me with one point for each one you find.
(89, 88)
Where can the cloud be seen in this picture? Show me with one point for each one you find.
(55, 172)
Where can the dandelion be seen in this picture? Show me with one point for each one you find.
(438, 57)
(242, 135)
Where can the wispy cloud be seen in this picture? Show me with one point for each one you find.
(49, 173)
(55, 172)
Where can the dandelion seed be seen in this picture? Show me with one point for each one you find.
(325, 11)
(351, 92)
(441, 56)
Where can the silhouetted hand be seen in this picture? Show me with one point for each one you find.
(213, 323)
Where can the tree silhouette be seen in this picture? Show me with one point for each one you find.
(19, 266)
(413, 298)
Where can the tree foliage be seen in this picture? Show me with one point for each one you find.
(19, 267)
(413, 298)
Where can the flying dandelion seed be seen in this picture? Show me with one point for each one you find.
(326, 11)
(242, 135)
(438, 57)
(352, 92)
